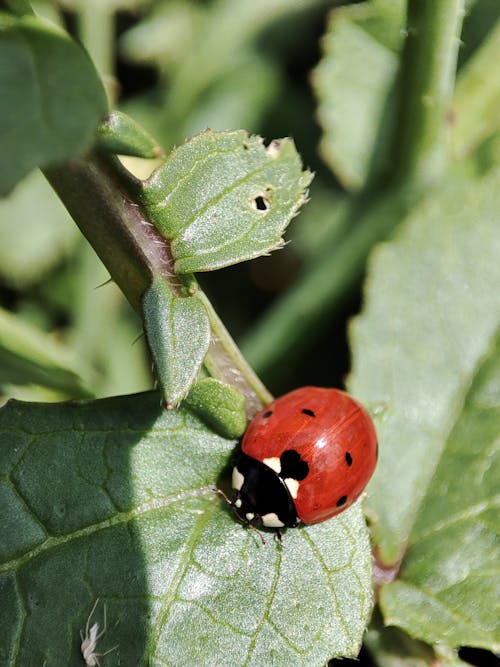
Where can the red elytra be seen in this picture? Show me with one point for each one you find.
(323, 434)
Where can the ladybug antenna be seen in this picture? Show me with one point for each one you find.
(221, 493)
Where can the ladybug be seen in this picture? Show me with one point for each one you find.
(304, 458)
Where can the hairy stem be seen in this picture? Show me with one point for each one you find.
(102, 199)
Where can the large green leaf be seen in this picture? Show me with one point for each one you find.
(223, 198)
(51, 98)
(114, 500)
(430, 323)
(448, 588)
(353, 84)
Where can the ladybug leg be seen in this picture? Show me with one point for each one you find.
(258, 533)
(279, 537)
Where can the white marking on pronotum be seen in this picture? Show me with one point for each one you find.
(238, 479)
(274, 463)
(271, 520)
(292, 486)
(90, 639)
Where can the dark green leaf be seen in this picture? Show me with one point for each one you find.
(113, 500)
(223, 198)
(51, 99)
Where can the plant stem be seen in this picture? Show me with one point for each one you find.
(426, 88)
(102, 199)
(224, 356)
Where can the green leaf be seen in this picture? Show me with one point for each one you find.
(36, 231)
(51, 99)
(430, 322)
(29, 356)
(224, 198)
(477, 97)
(178, 333)
(353, 84)
(120, 134)
(219, 405)
(113, 500)
(444, 593)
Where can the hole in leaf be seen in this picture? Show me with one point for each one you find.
(261, 203)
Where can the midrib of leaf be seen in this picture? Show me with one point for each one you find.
(184, 177)
(215, 200)
(469, 513)
(456, 409)
(119, 518)
(184, 561)
(431, 596)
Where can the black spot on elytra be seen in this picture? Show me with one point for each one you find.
(348, 459)
(306, 411)
(341, 501)
(292, 465)
(267, 414)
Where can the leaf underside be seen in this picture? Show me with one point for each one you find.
(434, 497)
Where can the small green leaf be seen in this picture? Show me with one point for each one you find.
(353, 83)
(113, 500)
(219, 405)
(223, 198)
(178, 333)
(120, 134)
(51, 98)
(29, 356)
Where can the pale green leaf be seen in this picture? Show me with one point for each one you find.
(430, 321)
(29, 356)
(353, 84)
(449, 586)
(223, 198)
(178, 334)
(36, 231)
(477, 97)
(44, 74)
(113, 500)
